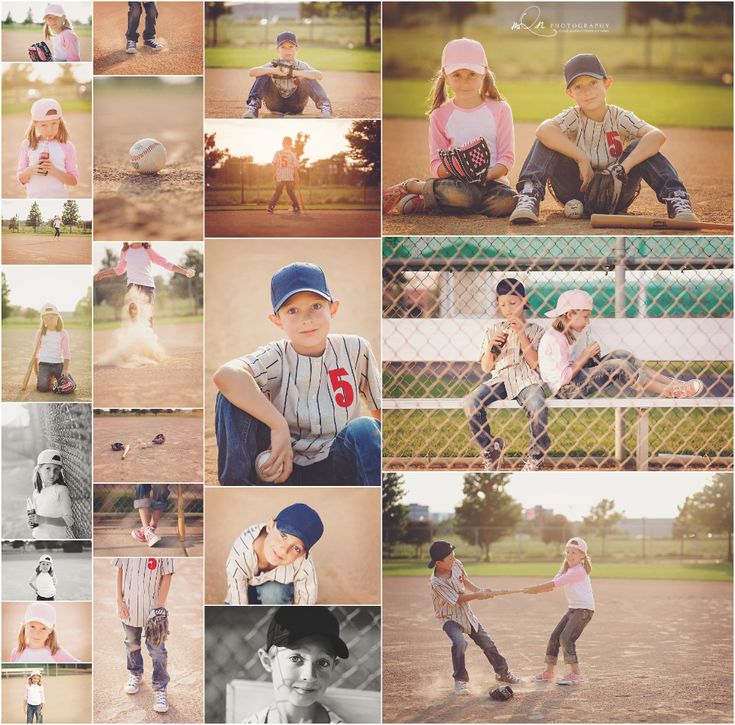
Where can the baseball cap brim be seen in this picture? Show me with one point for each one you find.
(599, 77)
(458, 66)
(295, 292)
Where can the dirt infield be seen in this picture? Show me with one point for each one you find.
(707, 175)
(317, 223)
(352, 95)
(175, 382)
(15, 45)
(73, 571)
(14, 130)
(178, 459)
(68, 698)
(178, 29)
(640, 653)
(165, 206)
(17, 351)
(184, 647)
(44, 249)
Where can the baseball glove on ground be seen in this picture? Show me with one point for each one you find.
(603, 192)
(117, 446)
(159, 439)
(469, 162)
(64, 385)
(501, 693)
(39, 52)
(156, 627)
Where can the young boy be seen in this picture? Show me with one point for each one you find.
(285, 167)
(448, 584)
(510, 356)
(135, 10)
(142, 589)
(302, 650)
(286, 88)
(592, 136)
(151, 500)
(300, 396)
(269, 563)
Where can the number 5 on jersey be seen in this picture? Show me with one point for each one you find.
(344, 394)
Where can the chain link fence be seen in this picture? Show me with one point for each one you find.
(668, 301)
(235, 634)
(118, 498)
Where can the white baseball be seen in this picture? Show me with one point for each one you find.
(574, 209)
(263, 458)
(147, 156)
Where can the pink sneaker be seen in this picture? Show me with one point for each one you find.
(544, 676)
(393, 194)
(571, 679)
(410, 204)
(138, 535)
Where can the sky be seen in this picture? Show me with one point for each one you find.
(173, 251)
(49, 72)
(75, 11)
(263, 137)
(48, 207)
(639, 494)
(35, 285)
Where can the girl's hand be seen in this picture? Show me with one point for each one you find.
(32, 519)
(585, 172)
(591, 350)
(190, 272)
(487, 594)
(281, 452)
(122, 610)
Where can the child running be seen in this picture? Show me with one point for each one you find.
(476, 109)
(43, 580)
(574, 577)
(65, 40)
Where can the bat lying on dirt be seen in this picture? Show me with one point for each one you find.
(630, 221)
(180, 509)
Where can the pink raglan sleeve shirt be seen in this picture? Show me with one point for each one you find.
(156, 258)
(23, 160)
(70, 42)
(122, 264)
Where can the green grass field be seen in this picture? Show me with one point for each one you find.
(70, 105)
(325, 59)
(36, 29)
(322, 197)
(162, 320)
(687, 105)
(720, 572)
(48, 231)
(25, 323)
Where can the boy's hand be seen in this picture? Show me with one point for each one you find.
(487, 594)
(122, 610)
(498, 339)
(516, 324)
(585, 172)
(281, 453)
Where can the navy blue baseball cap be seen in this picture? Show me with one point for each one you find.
(301, 521)
(438, 551)
(584, 64)
(285, 37)
(291, 624)
(298, 277)
(510, 286)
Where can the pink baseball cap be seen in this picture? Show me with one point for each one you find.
(464, 53)
(45, 109)
(578, 543)
(54, 10)
(573, 299)
(40, 612)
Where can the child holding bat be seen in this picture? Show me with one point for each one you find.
(475, 110)
(51, 350)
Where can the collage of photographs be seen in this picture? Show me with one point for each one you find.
(366, 362)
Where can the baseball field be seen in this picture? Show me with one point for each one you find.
(184, 646)
(178, 459)
(178, 29)
(641, 654)
(68, 697)
(73, 571)
(124, 378)
(17, 40)
(135, 207)
(19, 248)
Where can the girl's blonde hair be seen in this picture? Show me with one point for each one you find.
(59, 324)
(65, 25)
(438, 93)
(62, 136)
(51, 641)
(126, 245)
(37, 674)
(560, 325)
(586, 563)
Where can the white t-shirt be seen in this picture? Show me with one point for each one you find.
(34, 695)
(577, 587)
(54, 502)
(45, 585)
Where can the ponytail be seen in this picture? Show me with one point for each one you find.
(438, 93)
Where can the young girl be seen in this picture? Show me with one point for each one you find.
(34, 699)
(574, 576)
(476, 109)
(509, 359)
(50, 515)
(57, 226)
(47, 163)
(37, 641)
(137, 258)
(43, 581)
(51, 349)
(58, 27)
(572, 374)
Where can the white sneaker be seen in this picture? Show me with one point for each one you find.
(132, 685)
(160, 703)
(151, 537)
(460, 688)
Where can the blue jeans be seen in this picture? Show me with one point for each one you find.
(615, 372)
(270, 593)
(135, 10)
(455, 196)
(151, 496)
(33, 711)
(459, 644)
(280, 186)
(354, 458)
(532, 399)
(543, 165)
(566, 634)
(159, 656)
(46, 371)
(264, 90)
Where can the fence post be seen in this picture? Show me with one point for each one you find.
(620, 305)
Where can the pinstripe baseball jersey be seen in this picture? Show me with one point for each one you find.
(285, 84)
(446, 592)
(511, 368)
(318, 396)
(603, 141)
(141, 584)
(285, 163)
(242, 571)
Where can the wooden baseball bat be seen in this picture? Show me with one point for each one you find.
(503, 592)
(125, 452)
(29, 370)
(180, 507)
(298, 192)
(630, 221)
